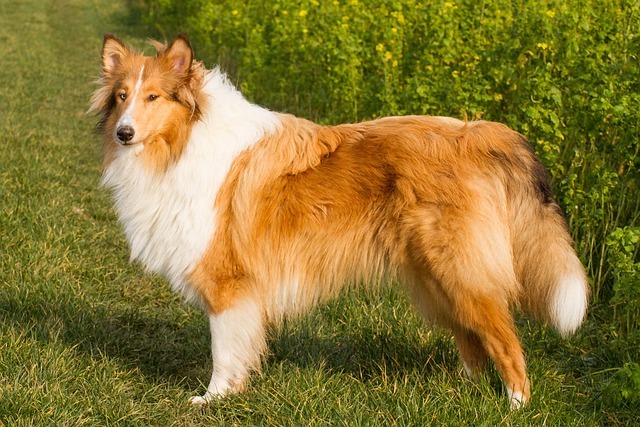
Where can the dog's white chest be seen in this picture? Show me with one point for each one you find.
(168, 218)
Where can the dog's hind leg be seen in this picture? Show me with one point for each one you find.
(483, 328)
(472, 352)
(428, 298)
(461, 262)
(494, 328)
(237, 344)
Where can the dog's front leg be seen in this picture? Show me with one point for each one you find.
(237, 344)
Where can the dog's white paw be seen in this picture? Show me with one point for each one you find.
(198, 400)
(204, 399)
(517, 400)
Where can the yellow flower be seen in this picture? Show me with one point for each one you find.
(379, 47)
(399, 16)
(388, 55)
(551, 13)
(302, 13)
(394, 63)
(449, 4)
(543, 46)
(234, 12)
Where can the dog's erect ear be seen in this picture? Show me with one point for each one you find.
(113, 50)
(180, 54)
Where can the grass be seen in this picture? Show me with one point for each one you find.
(87, 339)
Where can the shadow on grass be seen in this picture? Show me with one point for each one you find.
(168, 344)
(363, 351)
(158, 344)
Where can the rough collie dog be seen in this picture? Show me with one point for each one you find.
(255, 214)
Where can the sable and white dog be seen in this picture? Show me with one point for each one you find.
(256, 214)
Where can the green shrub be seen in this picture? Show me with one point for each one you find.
(623, 390)
(623, 246)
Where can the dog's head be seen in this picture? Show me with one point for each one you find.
(149, 100)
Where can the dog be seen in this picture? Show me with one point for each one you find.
(256, 215)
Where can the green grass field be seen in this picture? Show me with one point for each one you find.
(88, 339)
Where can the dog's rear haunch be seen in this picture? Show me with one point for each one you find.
(256, 214)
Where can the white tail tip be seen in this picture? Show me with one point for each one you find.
(569, 304)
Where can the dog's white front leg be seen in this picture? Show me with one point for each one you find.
(237, 344)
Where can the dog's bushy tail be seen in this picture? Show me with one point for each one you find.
(553, 279)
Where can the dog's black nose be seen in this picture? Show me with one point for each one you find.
(125, 133)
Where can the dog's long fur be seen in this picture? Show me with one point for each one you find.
(256, 214)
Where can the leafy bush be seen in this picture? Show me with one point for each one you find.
(564, 73)
(624, 387)
(623, 246)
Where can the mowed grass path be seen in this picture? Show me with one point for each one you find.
(87, 339)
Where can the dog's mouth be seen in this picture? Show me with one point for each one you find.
(127, 144)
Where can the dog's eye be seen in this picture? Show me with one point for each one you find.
(123, 96)
(153, 97)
